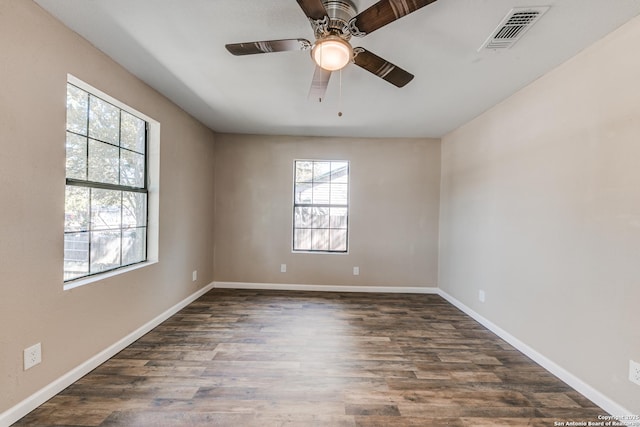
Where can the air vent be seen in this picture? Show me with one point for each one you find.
(513, 27)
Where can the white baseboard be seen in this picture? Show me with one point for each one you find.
(327, 288)
(576, 383)
(18, 411)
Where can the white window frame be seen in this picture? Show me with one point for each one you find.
(153, 187)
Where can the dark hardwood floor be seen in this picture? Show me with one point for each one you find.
(271, 358)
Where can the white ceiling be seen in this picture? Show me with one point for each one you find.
(177, 47)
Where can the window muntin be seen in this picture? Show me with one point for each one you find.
(106, 187)
(321, 206)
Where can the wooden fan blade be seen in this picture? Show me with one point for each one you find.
(314, 9)
(268, 46)
(382, 13)
(319, 84)
(381, 68)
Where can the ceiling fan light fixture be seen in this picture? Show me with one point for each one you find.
(332, 53)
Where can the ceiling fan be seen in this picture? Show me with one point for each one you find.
(334, 22)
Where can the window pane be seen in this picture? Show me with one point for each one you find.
(338, 240)
(320, 240)
(340, 172)
(76, 156)
(76, 208)
(105, 209)
(338, 218)
(339, 194)
(304, 171)
(321, 171)
(321, 193)
(103, 162)
(302, 217)
(304, 193)
(77, 108)
(76, 255)
(105, 251)
(302, 239)
(320, 218)
(104, 120)
(133, 245)
(132, 134)
(131, 169)
(134, 209)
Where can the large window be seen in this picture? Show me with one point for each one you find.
(106, 186)
(321, 206)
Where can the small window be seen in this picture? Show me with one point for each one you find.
(321, 206)
(106, 186)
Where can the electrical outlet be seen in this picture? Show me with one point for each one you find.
(283, 268)
(481, 296)
(356, 271)
(634, 372)
(32, 356)
(194, 275)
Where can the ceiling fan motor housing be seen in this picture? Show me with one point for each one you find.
(340, 13)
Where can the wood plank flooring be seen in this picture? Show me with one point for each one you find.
(275, 358)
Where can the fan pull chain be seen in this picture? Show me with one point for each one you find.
(321, 52)
(340, 97)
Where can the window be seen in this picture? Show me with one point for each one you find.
(321, 206)
(106, 186)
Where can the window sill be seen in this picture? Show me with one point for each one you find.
(320, 252)
(106, 275)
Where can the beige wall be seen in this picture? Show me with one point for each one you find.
(540, 208)
(394, 185)
(37, 53)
